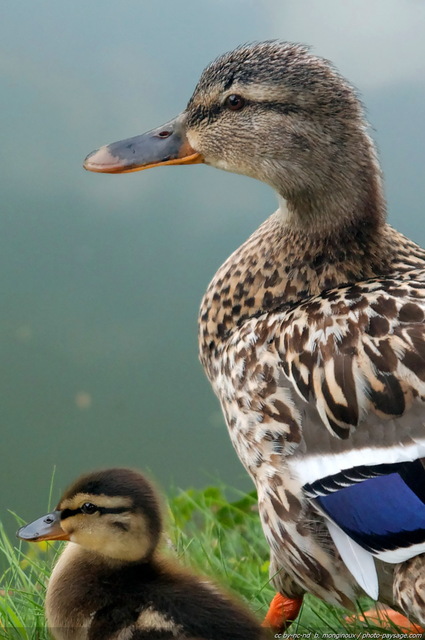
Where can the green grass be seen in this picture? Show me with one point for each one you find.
(218, 536)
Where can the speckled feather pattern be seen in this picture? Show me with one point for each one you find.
(352, 352)
(312, 332)
(409, 586)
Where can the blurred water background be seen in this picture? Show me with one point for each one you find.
(101, 276)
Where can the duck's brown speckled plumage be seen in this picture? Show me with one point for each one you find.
(312, 333)
(270, 367)
(288, 326)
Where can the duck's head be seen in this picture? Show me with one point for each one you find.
(272, 111)
(114, 513)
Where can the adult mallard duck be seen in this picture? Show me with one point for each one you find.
(312, 332)
(111, 582)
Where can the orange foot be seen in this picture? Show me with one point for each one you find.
(387, 619)
(282, 611)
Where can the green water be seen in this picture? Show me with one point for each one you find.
(101, 276)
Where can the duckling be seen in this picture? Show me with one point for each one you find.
(111, 581)
(312, 333)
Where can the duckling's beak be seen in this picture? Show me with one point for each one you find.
(45, 528)
(165, 145)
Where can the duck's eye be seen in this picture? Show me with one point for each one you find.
(234, 102)
(89, 508)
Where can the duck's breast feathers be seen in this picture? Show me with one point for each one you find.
(339, 373)
(340, 382)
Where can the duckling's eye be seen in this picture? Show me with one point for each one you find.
(89, 508)
(234, 102)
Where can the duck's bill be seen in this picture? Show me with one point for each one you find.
(45, 528)
(162, 146)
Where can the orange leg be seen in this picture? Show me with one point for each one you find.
(388, 619)
(282, 612)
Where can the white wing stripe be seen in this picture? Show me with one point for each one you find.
(309, 468)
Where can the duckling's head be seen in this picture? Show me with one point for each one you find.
(114, 513)
(269, 110)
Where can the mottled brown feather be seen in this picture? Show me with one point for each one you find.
(312, 332)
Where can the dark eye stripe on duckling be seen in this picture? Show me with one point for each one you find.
(68, 513)
(212, 112)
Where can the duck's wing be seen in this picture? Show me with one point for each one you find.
(358, 355)
(357, 351)
(334, 390)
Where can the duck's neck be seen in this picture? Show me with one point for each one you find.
(285, 261)
(343, 189)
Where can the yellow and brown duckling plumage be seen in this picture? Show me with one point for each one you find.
(111, 582)
(312, 333)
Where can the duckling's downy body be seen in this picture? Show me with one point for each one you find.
(312, 332)
(110, 583)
